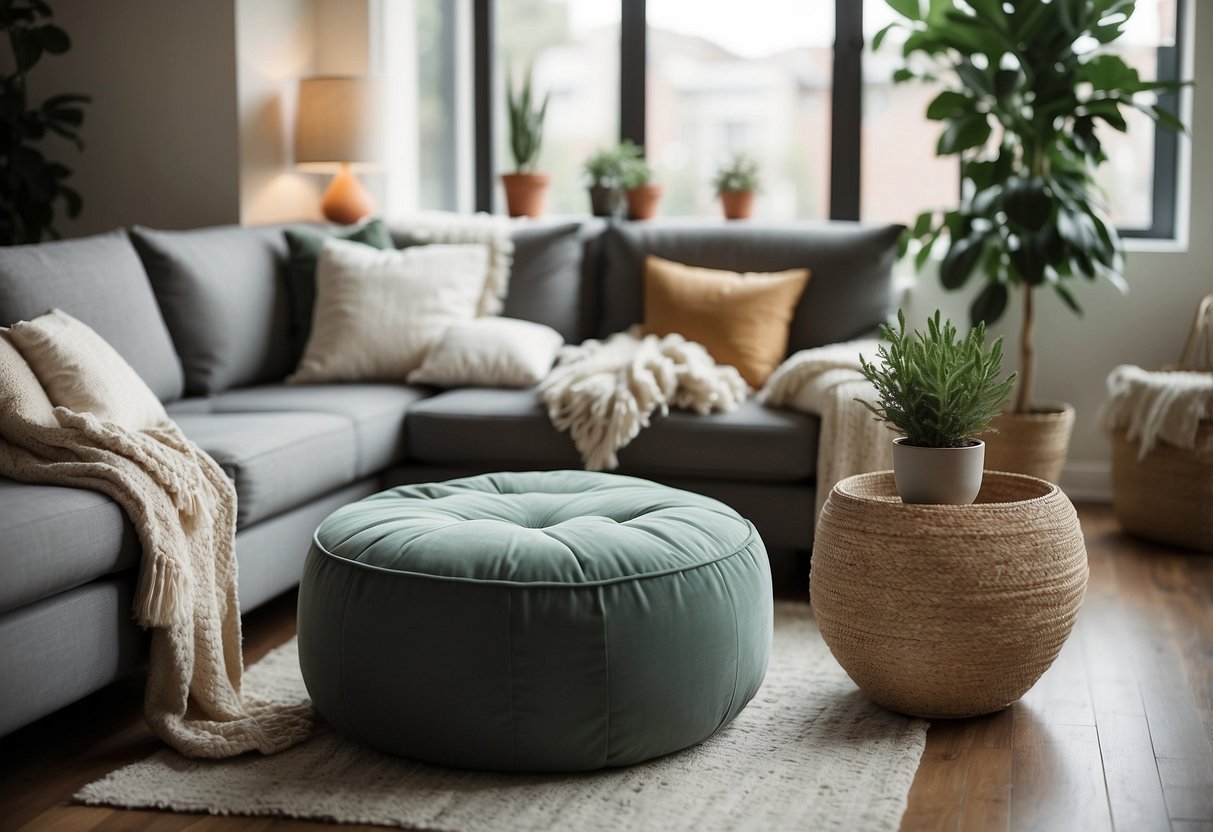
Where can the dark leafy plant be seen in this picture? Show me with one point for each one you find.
(738, 173)
(605, 168)
(526, 124)
(636, 170)
(31, 185)
(939, 391)
(1029, 81)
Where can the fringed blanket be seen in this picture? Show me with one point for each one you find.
(184, 511)
(826, 381)
(1157, 406)
(604, 392)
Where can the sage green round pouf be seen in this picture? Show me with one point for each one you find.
(547, 621)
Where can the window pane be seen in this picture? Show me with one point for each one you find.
(438, 175)
(730, 77)
(573, 46)
(1128, 176)
(900, 176)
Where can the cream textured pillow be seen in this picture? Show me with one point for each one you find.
(21, 394)
(378, 312)
(490, 352)
(79, 370)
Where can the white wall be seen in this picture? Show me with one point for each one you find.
(1147, 327)
(162, 137)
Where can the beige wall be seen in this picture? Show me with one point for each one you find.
(162, 138)
(1147, 327)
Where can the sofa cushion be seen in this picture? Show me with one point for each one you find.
(545, 278)
(100, 281)
(375, 410)
(223, 294)
(510, 430)
(276, 460)
(54, 538)
(850, 294)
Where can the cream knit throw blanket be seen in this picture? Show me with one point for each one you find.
(604, 392)
(1157, 406)
(184, 511)
(825, 381)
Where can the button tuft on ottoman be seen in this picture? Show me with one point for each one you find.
(546, 621)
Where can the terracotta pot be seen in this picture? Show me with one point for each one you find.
(938, 476)
(525, 193)
(643, 201)
(1035, 443)
(604, 201)
(738, 205)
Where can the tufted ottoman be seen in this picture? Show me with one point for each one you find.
(548, 621)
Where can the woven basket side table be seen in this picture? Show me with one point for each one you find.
(947, 611)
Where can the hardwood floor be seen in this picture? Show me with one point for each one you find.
(1116, 735)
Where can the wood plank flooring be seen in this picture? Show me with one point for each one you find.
(1116, 736)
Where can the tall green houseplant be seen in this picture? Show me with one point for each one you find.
(1028, 84)
(31, 185)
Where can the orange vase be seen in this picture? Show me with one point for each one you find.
(643, 201)
(525, 193)
(738, 205)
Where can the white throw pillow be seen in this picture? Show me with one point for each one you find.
(79, 370)
(378, 312)
(490, 352)
(21, 395)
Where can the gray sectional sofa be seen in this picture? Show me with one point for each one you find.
(202, 316)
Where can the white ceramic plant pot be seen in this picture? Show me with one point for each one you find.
(949, 476)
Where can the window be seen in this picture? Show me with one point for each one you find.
(723, 81)
(784, 80)
(573, 48)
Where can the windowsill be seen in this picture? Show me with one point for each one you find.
(1154, 245)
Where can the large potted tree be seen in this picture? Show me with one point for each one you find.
(1028, 85)
(525, 190)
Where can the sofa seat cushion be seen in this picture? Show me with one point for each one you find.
(510, 430)
(277, 460)
(376, 411)
(53, 539)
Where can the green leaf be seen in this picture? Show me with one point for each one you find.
(1027, 203)
(989, 304)
(902, 75)
(911, 9)
(960, 260)
(1067, 298)
(53, 39)
(949, 104)
(879, 37)
(963, 134)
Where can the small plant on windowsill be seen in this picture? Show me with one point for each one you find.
(941, 393)
(525, 190)
(604, 171)
(643, 194)
(736, 181)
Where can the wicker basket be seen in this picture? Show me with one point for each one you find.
(1035, 443)
(1168, 495)
(947, 611)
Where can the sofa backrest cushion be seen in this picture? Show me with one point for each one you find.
(223, 294)
(850, 293)
(100, 281)
(545, 279)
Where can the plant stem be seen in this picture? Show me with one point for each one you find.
(1027, 356)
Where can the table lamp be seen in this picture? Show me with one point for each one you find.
(337, 129)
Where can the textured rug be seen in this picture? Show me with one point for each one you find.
(810, 752)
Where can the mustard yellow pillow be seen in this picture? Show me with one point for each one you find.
(742, 319)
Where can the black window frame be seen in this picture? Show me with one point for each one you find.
(846, 108)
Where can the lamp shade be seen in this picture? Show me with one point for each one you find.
(338, 121)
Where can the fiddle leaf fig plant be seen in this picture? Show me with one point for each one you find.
(937, 390)
(31, 184)
(1030, 85)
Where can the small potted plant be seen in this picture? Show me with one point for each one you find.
(736, 181)
(604, 174)
(643, 194)
(525, 190)
(941, 393)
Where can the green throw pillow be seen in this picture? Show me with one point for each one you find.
(305, 246)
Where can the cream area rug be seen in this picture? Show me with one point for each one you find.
(810, 752)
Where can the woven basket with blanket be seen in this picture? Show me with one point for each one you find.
(1161, 426)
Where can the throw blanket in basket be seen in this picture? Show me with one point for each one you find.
(116, 438)
(1154, 406)
(826, 381)
(604, 392)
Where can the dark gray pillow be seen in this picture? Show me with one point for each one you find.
(100, 281)
(222, 290)
(850, 287)
(545, 279)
